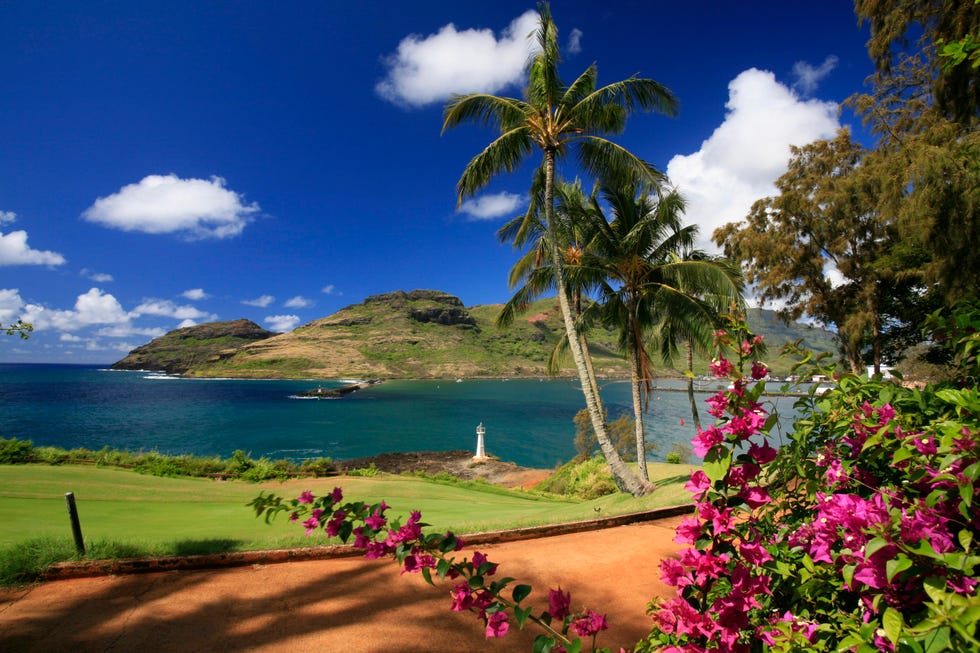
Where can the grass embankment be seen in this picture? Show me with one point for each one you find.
(126, 514)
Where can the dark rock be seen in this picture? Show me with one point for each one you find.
(342, 391)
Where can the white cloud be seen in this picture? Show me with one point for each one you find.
(574, 41)
(298, 302)
(92, 308)
(186, 323)
(10, 305)
(6, 217)
(489, 207)
(14, 250)
(97, 277)
(166, 308)
(808, 77)
(195, 294)
(161, 204)
(282, 323)
(67, 337)
(739, 163)
(429, 69)
(125, 330)
(260, 302)
(331, 289)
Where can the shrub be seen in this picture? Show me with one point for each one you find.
(16, 452)
(586, 480)
(370, 471)
(859, 535)
(673, 458)
(318, 467)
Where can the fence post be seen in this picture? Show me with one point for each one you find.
(76, 527)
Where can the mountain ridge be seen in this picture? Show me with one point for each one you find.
(414, 334)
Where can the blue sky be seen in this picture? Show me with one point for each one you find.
(169, 164)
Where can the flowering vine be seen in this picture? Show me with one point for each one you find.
(476, 587)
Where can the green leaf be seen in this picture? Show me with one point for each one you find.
(476, 582)
(427, 575)
(520, 593)
(897, 565)
(893, 623)
(543, 644)
(574, 646)
(874, 545)
(936, 641)
(716, 463)
(448, 544)
(965, 538)
(443, 568)
(521, 615)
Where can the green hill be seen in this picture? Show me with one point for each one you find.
(417, 334)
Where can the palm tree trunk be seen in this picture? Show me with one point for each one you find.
(641, 436)
(690, 386)
(624, 478)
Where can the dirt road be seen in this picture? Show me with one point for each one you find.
(345, 605)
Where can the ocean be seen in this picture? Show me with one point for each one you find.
(528, 422)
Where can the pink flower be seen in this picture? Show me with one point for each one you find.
(497, 625)
(333, 526)
(759, 370)
(721, 367)
(559, 603)
(698, 483)
(964, 585)
(718, 404)
(706, 440)
(306, 497)
(754, 553)
(376, 521)
(462, 597)
(589, 623)
(337, 495)
(675, 574)
(480, 559)
(688, 531)
(755, 497)
(311, 525)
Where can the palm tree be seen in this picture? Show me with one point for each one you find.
(556, 118)
(638, 256)
(697, 334)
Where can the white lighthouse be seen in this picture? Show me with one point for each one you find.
(481, 453)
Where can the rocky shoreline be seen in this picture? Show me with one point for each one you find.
(342, 391)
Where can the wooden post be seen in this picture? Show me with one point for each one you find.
(76, 527)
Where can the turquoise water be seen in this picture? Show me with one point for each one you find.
(528, 422)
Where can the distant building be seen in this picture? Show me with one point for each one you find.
(886, 371)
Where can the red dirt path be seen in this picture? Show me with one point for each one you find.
(347, 605)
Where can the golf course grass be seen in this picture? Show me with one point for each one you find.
(123, 513)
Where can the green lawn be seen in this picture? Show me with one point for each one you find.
(165, 515)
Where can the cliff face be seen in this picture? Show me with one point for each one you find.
(182, 349)
(417, 334)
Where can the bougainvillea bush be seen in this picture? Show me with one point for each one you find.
(858, 534)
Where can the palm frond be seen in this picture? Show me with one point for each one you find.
(544, 86)
(501, 113)
(611, 162)
(632, 94)
(504, 154)
(581, 88)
